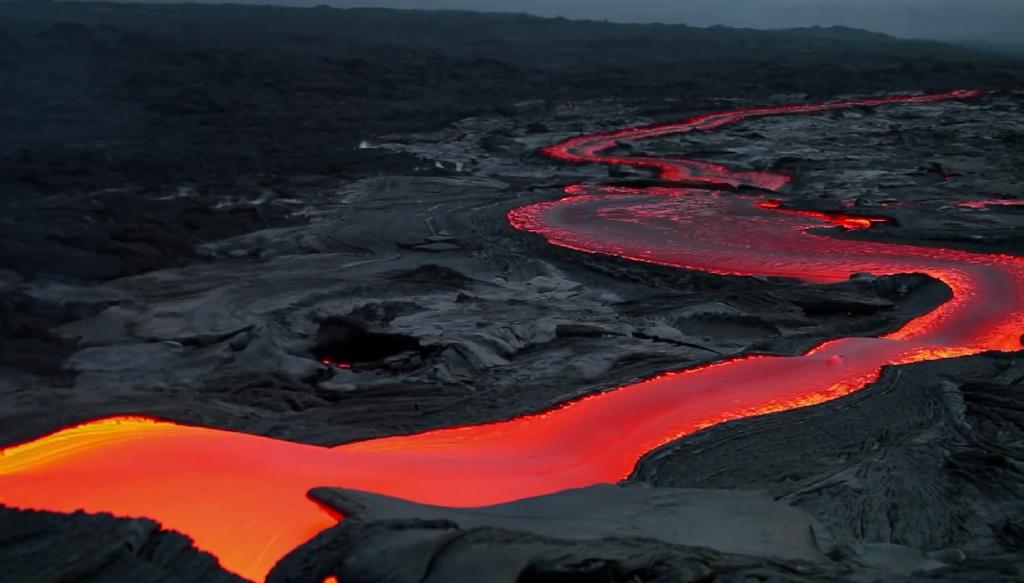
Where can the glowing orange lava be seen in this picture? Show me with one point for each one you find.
(336, 364)
(243, 497)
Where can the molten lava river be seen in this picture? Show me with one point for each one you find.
(243, 497)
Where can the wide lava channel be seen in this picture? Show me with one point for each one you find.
(243, 497)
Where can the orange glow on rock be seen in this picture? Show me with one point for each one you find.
(243, 497)
(847, 221)
(984, 204)
(336, 364)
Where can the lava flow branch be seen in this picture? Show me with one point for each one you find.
(243, 497)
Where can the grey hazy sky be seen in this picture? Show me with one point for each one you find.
(998, 20)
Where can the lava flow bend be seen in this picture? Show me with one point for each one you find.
(243, 497)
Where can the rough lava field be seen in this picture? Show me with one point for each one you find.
(325, 310)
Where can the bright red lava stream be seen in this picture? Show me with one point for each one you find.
(243, 497)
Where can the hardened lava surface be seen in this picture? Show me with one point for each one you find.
(243, 497)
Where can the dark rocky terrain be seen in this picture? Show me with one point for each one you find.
(40, 547)
(202, 203)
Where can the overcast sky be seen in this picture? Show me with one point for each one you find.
(999, 20)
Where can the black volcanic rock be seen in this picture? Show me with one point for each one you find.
(601, 534)
(410, 551)
(44, 547)
(736, 522)
(928, 457)
(347, 340)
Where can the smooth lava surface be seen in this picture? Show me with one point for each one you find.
(243, 497)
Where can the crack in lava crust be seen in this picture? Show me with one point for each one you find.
(243, 497)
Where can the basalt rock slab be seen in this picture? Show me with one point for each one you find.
(928, 457)
(734, 522)
(439, 551)
(601, 534)
(43, 547)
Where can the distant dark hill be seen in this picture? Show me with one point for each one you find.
(447, 30)
(946, 20)
(1007, 47)
(100, 93)
(421, 23)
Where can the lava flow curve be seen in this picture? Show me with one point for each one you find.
(243, 497)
